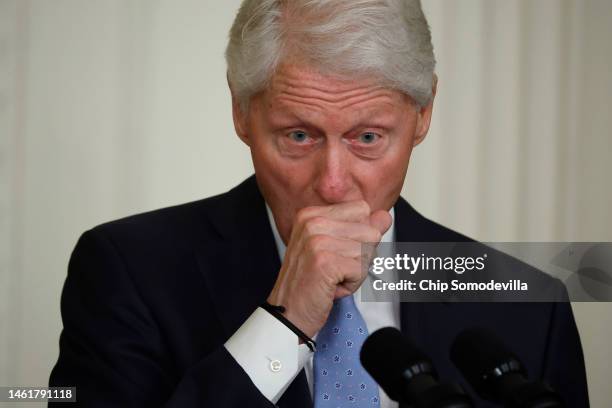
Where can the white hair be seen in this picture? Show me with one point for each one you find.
(388, 40)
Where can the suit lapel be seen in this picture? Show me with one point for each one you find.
(413, 227)
(407, 230)
(241, 267)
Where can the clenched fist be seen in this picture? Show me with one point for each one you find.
(323, 260)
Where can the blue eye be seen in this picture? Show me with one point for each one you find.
(298, 136)
(368, 138)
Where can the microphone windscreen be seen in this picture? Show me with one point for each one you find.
(476, 352)
(386, 354)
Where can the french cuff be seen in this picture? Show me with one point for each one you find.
(268, 352)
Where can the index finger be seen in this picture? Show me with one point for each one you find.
(351, 211)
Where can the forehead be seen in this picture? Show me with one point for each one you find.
(298, 87)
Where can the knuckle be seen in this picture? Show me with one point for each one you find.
(316, 242)
(304, 214)
(313, 225)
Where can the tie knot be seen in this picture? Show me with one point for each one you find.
(345, 302)
(344, 309)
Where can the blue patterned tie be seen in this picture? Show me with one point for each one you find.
(339, 378)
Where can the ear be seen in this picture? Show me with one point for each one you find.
(424, 115)
(240, 119)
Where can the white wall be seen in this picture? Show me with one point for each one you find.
(105, 104)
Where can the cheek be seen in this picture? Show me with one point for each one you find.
(281, 179)
(267, 161)
(381, 180)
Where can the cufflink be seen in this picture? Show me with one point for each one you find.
(275, 366)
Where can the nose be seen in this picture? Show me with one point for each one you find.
(333, 182)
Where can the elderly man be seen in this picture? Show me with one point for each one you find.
(214, 303)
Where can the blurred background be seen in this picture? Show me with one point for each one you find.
(113, 107)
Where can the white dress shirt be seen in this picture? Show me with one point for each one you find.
(270, 353)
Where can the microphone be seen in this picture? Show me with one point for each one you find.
(406, 374)
(497, 374)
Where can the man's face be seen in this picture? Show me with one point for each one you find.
(321, 140)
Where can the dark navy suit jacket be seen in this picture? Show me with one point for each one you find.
(149, 301)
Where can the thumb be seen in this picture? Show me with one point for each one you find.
(381, 220)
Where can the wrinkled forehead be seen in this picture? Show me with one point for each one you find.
(300, 84)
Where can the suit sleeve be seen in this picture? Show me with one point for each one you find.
(113, 352)
(564, 361)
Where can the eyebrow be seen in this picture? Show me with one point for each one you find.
(287, 120)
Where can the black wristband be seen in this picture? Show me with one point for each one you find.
(277, 311)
